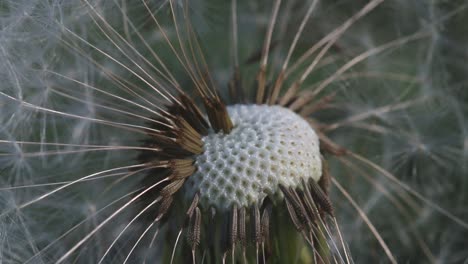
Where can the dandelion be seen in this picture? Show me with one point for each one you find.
(250, 132)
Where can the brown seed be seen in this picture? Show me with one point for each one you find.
(234, 227)
(172, 188)
(321, 198)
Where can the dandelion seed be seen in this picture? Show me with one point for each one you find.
(246, 132)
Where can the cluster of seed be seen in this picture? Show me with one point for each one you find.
(269, 146)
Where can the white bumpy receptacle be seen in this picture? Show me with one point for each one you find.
(268, 146)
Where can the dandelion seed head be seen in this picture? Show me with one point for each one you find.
(268, 147)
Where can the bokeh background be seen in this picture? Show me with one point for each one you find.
(410, 100)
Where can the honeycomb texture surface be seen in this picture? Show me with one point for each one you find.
(269, 146)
